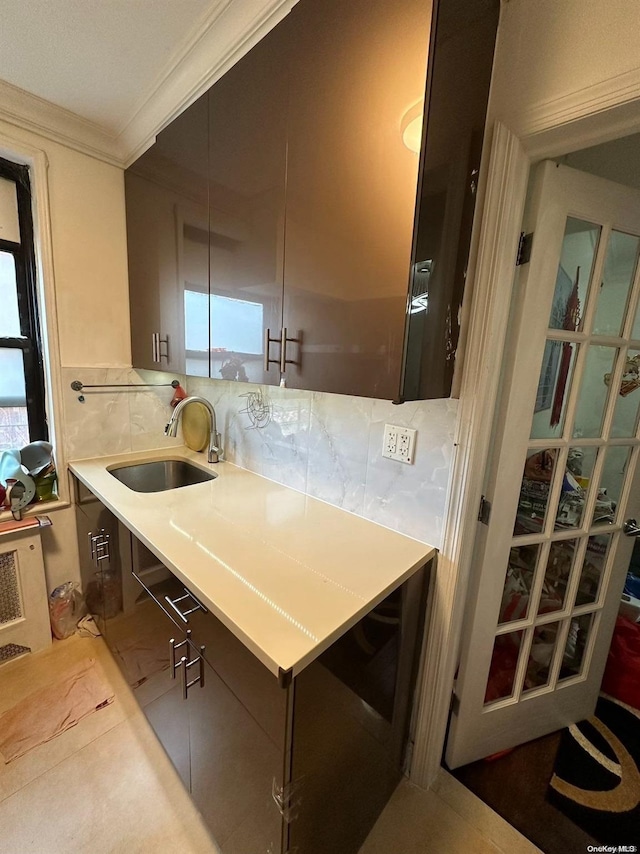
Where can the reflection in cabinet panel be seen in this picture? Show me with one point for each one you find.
(98, 548)
(234, 766)
(165, 711)
(167, 218)
(357, 68)
(351, 711)
(247, 157)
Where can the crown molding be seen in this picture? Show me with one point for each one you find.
(229, 31)
(621, 91)
(24, 110)
(218, 40)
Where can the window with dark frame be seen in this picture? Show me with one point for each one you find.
(22, 393)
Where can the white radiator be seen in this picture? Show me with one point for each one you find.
(24, 611)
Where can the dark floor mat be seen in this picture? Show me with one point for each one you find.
(515, 786)
(596, 780)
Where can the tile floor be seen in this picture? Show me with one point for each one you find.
(106, 787)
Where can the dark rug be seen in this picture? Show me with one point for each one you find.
(515, 786)
(596, 781)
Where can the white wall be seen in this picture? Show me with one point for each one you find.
(88, 283)
(548, 50)
(90, 258)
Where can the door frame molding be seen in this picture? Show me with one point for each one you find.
(492, 271)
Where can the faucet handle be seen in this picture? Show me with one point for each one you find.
(215, 450)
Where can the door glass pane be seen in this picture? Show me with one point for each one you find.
(635, 332)
(534, 491)
(556, 579)
(594, 392)
(9, 317)
(553, 389)
(591, 574)
(619, 268)
(573, 658)
(625, 416)
(504, 661)
(518, 581)
(574, 272)
(575, 486)
(9, 224)
(611, 483)
(541, 656)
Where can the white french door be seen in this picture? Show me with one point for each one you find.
(564, 477)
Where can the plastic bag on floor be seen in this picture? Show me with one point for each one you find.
(65, 609)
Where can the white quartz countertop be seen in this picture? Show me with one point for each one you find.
(286, 573)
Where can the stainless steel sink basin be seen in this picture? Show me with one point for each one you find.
(161, 475)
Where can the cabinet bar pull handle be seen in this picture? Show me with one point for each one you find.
(183, 664)
(173, 646)
(155, 347)
(267, 341)
(283, 350)
(163, 341)
(184, 614)
(199, 680)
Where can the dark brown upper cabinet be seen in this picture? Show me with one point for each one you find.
(357, 68)
(247, 179)
(167, 205)
(309, 218)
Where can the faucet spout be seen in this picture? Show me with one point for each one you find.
(215, 445)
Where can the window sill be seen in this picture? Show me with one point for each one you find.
(42, 508)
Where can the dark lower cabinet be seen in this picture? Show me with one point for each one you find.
(275, 766)
(234, 769)
(99, 553)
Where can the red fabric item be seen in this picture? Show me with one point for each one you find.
(622, 673)
(178, 395)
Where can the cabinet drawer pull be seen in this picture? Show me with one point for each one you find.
(267, 341)
(163, 342)
(283, 350)
(157, 342)
(183, 614)
(199, 679)
(173, 646)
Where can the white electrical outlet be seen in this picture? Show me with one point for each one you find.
(399, 443)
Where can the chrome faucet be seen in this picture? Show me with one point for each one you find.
(215, 444)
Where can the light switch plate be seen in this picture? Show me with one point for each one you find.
(399, 443)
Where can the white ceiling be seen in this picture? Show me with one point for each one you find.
(105, 75)
(96, 58)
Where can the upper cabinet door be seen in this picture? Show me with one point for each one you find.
(168, 243)
(247, 174)
(358, 72)
(460, 63)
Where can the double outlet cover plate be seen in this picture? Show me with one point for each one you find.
(399, 443)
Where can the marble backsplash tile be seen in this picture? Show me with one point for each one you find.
(115, 421)
(326, 445)
(330, 446)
